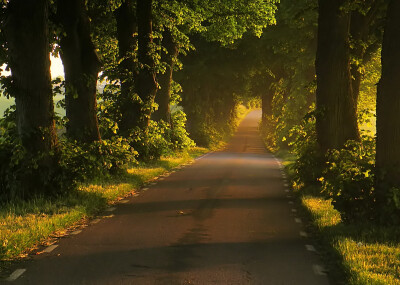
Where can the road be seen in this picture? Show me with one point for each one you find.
(225, 219)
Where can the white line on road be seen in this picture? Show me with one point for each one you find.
(204, 156)
(287, 190)
(310, 247)
(294, 210)
(286, 185)
(17, 273)
(319, 270)
(123, 201)
(298, 220)
(76, 232)
(50, 248)
(111, 209)
(291, 202)
(95, 221)
(303, 234)
(145, 189)
(161, 178)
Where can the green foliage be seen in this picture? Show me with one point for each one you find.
(348, 179)
(307, 168)
(161, 139)
(98, 159)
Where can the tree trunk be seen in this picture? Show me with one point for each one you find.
(266, 102)
(126, 28)
(336, 109)
(81, 68)
(26, 30)
(364, 44)
(388, 108)
(165, 80)
(146, 85)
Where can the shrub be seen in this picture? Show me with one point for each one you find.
(309, 163)
(348, 178)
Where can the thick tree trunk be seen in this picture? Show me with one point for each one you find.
(165, 80)
(146, 85)
(336, 109)
(388, 108)
(81, 68)
(126, 28)
(26, 29)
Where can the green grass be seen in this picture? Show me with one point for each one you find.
(365, 253)
(355, 254)
(26, 225)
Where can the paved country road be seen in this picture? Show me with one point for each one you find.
(225, 219)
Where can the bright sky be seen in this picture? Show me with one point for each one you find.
(57, 68)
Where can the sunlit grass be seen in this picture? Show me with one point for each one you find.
(369, 254)
(25, 225)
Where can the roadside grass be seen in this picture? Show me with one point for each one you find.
(361, 253)
(26, 225)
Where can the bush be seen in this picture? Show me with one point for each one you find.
(309, 163)
(348, 179)
(98, 159)
(161, 139)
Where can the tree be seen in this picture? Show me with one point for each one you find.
(26, 31)
(163, 97)
(81, 67)
(365, 32)
(336, 117)
(27, 40)
(387, 111)
(126, 22)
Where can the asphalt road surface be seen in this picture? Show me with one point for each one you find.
(225, 219)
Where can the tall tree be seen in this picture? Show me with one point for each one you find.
(126, 28)
(26, 30)
(336, 109)
(165, 80)
(365, 31)
(146, 85)
(81, 68)
(27, 39)
(388, 108)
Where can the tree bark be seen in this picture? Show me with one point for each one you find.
(165, 80)
(363, 45)
(126, 28)
(266, 102)
(336, 110)
(388, 108)
(26, 30)
(81, 68)
(146, 85)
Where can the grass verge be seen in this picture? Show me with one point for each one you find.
(25, 225)
(355, 254)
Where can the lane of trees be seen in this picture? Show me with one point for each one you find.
(137, 46)
(344, 39)
(310, 72)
